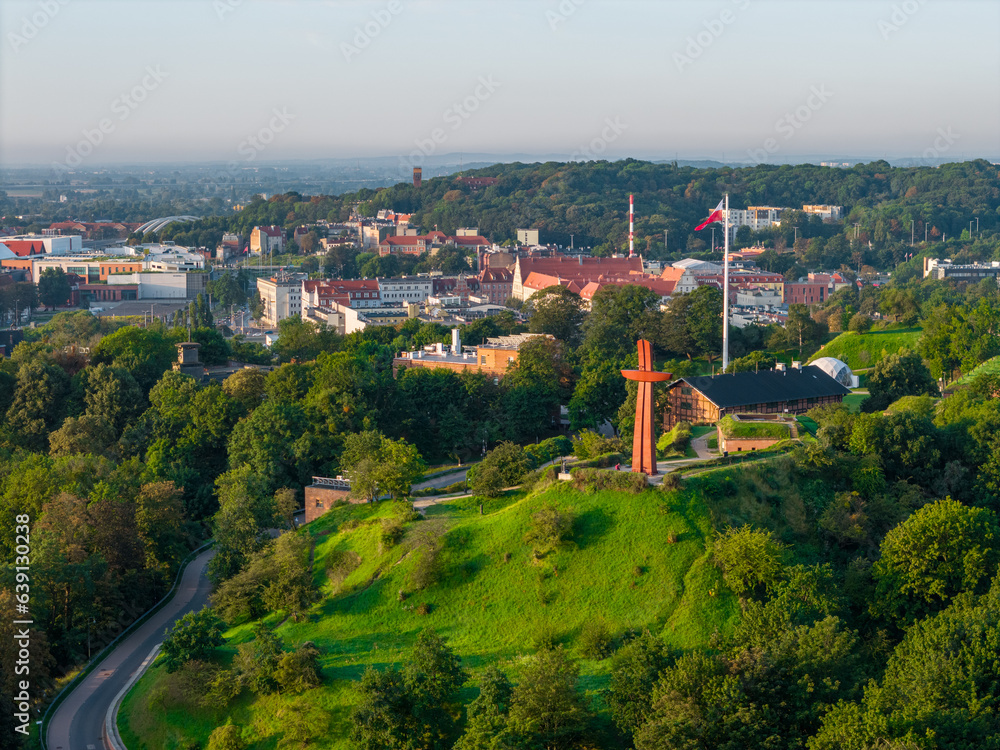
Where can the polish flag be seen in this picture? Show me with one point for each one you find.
(716, 215)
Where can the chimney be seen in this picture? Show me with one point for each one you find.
(796, 365)
(580, 259)
(456, 341)
(779, 367)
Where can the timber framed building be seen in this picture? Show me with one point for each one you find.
(707, 399)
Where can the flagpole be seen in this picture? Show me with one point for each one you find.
(725, 294)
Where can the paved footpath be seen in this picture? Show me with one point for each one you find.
(78, 723)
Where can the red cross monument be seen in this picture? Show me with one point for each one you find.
(644, 439)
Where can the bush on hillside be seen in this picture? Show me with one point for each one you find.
(859, 323)
(549, 527)
(299, 670)
(590, 444)
(195, 636)
(549, 449)
(226, 737)
(504, 466)
(602, 462)
(340, 564)
(898, 375)
(750, 559)
(595, 480)
(596, 641)
(674, 442)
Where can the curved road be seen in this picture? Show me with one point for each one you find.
(78, 723)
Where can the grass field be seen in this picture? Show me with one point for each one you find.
(732, 428)
(492, 602)
(853, 402)
(989, 367)
(863, 350)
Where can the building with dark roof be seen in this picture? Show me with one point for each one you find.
(707, 399)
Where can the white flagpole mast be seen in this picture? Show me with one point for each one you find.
(725, 294)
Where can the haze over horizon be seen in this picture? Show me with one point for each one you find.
(257, 81)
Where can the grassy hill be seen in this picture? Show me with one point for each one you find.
(989, 367)
(862, 350)
(636, 561)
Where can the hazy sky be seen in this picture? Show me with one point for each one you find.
(263, 80)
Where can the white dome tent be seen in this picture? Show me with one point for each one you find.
(837, 370)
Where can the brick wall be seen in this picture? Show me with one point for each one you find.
(744, 445)
(320, 499)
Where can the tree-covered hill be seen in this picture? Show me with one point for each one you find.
(590, 202)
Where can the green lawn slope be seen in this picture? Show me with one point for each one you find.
(636, 561)
(989, 367)
(862, 350)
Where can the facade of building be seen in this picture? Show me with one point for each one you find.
(496, 285)
(267, 240)
(755, 217)
(808, 293)
(827, 213)
(945, 269)
(281, 299)
(163, 285)
(758, 298)
(356, 293)
(405, 290)
(527, 236)
(493, 357)
(323, 494)
(707, 399)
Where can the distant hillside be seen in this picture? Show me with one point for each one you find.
(862, 350)
(636, 562)
(590, 199)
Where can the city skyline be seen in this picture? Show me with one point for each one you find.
(254, 82)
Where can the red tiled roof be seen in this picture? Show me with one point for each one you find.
(496, 275)
(25, 248)
(577, 268)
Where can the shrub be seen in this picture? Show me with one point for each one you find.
(595, 480)
(504, 466)
(674, 442)
(944, 549)
(590, 444)
(391, 533)
(672, 481)
(299, 670)
(750, 559)
(256, 661)
(549, 527)
(602, 462)
(340, 564)
(226, 737)
(549, 449)
(427, 569)
(596, 641)
(859, 323)
(195, 636)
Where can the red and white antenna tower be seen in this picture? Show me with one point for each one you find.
(631, 226)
